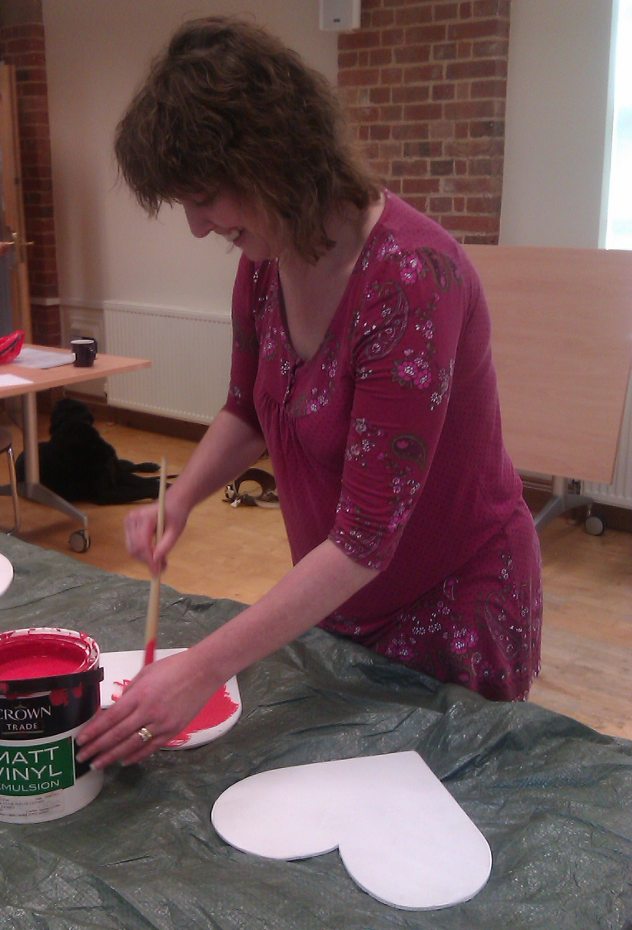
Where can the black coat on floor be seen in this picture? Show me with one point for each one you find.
(79, 465)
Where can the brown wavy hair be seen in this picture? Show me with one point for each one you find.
(228, 107)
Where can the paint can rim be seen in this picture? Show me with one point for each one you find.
(81, 643)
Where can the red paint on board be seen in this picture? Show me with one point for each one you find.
(220, 707)
(40, 656)
(122, 685)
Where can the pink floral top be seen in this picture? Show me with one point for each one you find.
(388, 441)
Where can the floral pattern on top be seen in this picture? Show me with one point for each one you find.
(453, 631)
(319, 395)
(378, 337)
(388, 443)
(366, 450)
(413, 370)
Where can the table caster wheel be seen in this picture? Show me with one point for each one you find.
(595, 525)
(80, 541)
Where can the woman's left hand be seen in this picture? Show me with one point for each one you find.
(156, 705)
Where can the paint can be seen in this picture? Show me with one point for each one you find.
(49, 688)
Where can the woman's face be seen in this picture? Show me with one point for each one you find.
(224, 215)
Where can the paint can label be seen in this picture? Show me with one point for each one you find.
(42, 781)
(30, 716)
(37, 768)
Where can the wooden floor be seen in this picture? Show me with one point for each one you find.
(239, 553)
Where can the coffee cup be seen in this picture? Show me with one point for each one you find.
(85, 349)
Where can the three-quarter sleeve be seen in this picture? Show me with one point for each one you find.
(245, 353)
(404, 344)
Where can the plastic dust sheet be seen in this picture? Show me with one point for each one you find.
(552, 797)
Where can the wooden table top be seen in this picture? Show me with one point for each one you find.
(41, 379)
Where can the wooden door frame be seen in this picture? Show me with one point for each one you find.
(13, 220)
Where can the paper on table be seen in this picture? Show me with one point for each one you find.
(40, 358)
(10, 380)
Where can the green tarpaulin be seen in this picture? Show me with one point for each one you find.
(552, 797)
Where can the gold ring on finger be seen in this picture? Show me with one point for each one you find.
(145, 734)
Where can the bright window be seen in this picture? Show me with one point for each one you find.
(619, 222)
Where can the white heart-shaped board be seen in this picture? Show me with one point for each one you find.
(6, 573)
(401, 835)
(218, 716)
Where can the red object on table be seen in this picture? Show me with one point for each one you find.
(11, 346)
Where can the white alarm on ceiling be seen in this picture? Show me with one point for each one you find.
(339, 15)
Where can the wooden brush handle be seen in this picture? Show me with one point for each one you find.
(153, 608)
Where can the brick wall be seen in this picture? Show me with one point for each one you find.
(424, 83)
(23, 46)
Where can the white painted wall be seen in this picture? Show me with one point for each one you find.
(559, 119)
(97, 53)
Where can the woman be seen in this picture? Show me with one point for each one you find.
(362, 362)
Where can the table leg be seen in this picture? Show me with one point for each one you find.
(31, 450)
(43, 495)
(563, 499)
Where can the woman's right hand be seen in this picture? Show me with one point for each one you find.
(228, 447)
(140, 529)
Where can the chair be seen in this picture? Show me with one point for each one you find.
(6, 445)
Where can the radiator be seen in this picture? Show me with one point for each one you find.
(619, 493)
(190, 356)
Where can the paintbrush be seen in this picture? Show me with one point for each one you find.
(153, 609)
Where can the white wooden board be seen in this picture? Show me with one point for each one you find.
(223, 710)
(401, 835)
(6, 573)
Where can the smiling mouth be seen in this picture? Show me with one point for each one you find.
(233, 234)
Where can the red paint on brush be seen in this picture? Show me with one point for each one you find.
(220, 707)
(150, 651)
